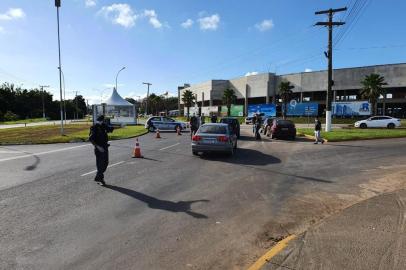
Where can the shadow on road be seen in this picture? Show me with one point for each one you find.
(244, 156)
(154, 203)
(31, 167)
(34, 165)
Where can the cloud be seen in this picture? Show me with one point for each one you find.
(12, 14)
(187, 24)
(2, 30)
(153, 18)
(90, 3)
(121, 14)
(265, 25)
(308, 70)
(209, 22)
(251, 73)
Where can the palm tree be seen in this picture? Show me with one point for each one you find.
(285, 92)
(188, 99)
(228, 98)
(373, 88)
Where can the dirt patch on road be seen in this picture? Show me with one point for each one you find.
(305, 210)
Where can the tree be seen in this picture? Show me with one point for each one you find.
(372, 89)
(228, 99)
(188, 98)
(131, 100)
(285, 92)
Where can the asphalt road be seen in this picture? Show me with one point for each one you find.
(172, 210)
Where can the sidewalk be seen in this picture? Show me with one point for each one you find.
(367, 235)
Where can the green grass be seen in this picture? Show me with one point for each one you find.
(33, 120)
(337, 135)
(51, 134)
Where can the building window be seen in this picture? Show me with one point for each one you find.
(352, 97)
(306, 98)
(389, 95)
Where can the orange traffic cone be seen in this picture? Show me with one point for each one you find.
(137, 150)
(158, 135)
(178, 130)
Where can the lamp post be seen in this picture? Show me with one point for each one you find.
(146, 104)
(43, 102)
(64, 93)
(117, 75)
(58, 5)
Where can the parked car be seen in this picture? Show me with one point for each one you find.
(248, 120)
(214, 137)
(233, 123)
(378, 122)
(283, 129)
(163, 123)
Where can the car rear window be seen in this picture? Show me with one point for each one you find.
(285, 123)
(228, 121)
(213, 129)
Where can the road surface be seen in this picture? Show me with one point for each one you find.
(172, 210)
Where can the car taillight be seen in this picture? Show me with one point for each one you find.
(222, 138)
(196, 138)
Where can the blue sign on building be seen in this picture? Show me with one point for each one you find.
(303, 109)
(266, 109)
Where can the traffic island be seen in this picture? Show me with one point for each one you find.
(352, 134)
(51, 134)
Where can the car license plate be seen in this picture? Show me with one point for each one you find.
(209, 141)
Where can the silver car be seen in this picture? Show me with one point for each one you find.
(163, 123)
(214, 137)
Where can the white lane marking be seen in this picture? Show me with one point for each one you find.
(9, 152)
(44, 153)
(169, 146)
(112, 165)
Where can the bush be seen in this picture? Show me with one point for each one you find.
(10, 116)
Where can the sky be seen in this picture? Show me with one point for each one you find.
(169, 43)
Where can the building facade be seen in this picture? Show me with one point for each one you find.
(308, 87)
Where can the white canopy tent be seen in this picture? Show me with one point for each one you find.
(117, 109)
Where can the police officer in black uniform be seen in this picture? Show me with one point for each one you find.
(99, 138)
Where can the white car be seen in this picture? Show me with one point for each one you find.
(378, 122)
(164, 123)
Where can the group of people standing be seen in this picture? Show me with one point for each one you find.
(257, 122)
(196, 121)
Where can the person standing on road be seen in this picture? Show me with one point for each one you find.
(317, 131)
(254, 123)
(193, 125)
(213, 118)
(258, 125)
(202, 120)
(99, 138)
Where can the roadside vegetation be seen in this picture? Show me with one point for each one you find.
(23, 121)
(349, 134)
(51, 134)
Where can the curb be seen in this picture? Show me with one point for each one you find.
(271, 253)
(310, 137)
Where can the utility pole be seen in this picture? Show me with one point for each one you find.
(76, 101)
(146, 104)
(43, 103)
(329, 55)
(58, 5)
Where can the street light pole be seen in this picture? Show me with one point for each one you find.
(58, 5)
(146, 104)
(64, 94)
(43, 103)
(117, 75)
